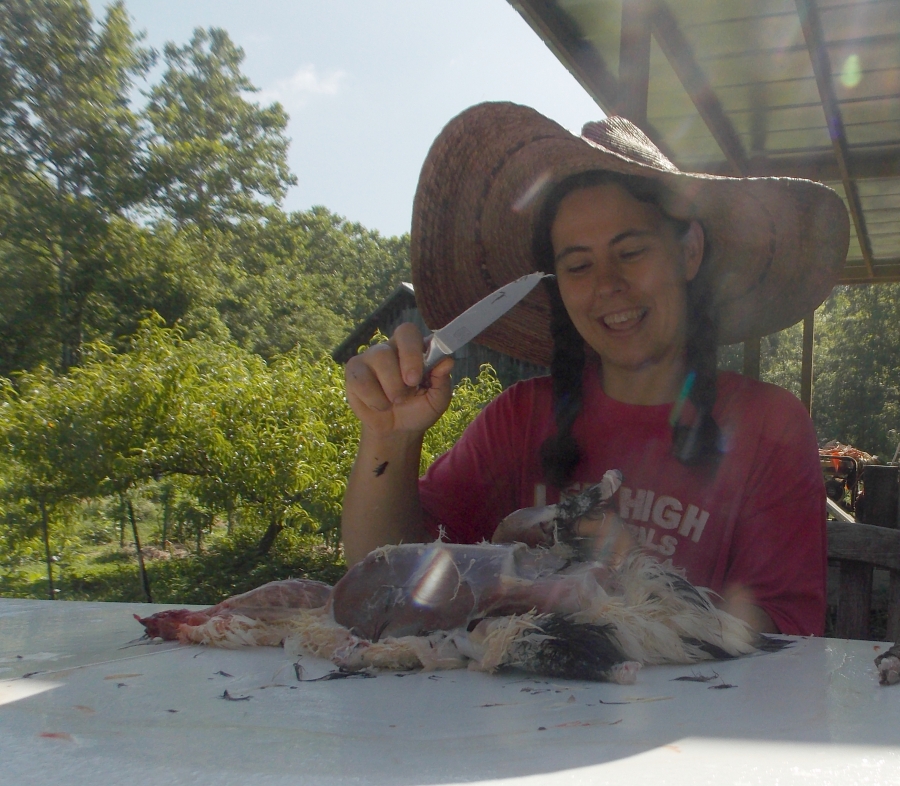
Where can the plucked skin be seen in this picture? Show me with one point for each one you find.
(487, 607)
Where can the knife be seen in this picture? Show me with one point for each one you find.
(460, 331)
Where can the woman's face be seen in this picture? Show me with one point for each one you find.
(622, 272)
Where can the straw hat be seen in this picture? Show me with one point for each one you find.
(775, 246)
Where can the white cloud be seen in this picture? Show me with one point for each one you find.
(306, 82)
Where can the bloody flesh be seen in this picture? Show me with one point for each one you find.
(272, 601)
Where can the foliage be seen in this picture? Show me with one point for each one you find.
(857, 377)
(217, 156)
(203, 430)
(304, 279)
(70, 147)
(171, 406)
(228, 567)
(109, 212)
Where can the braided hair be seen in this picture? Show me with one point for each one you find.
(560, 454)
(695, 434)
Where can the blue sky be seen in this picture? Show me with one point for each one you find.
(368, 84)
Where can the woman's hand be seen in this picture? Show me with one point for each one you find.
(603, 538)
(607, 539)
(532, 526)
(388, 390)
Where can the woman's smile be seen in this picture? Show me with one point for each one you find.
(621, 321)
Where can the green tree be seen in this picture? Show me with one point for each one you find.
(27, 335)
(160, 270)
(856, 398)
(272, 441)
(41, 470)
(247, 432)
(305, 280)
(219, 157)
(70, 149)
(856, 380)
(288, 448)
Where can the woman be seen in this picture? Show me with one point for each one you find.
(653, 268)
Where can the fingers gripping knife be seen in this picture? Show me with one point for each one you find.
(444, 342)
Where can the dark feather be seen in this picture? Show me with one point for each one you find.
(715, 652)
(569, 650)
(762, 643)
(687, 591)
(771, 643)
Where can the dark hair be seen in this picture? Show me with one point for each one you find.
(695, 434)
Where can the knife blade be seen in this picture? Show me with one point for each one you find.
(460, 331)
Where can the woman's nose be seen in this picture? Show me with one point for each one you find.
(607, 279)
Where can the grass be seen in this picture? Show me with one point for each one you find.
(98, 569)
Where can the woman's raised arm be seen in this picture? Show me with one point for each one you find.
(386, 392)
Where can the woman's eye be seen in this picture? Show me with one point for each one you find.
(632, 253)
(577, 266)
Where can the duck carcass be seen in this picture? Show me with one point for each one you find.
(486, 606)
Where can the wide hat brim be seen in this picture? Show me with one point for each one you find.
(775, 246)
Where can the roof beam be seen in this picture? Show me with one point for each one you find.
(887, 271)
(821, 63)
(678, 52)
(562, 36)
(634, 61)
(820, 166)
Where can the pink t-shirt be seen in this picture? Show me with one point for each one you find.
(757, 522)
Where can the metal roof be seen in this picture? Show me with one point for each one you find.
(796, 88)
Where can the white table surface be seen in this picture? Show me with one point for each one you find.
(154, 714)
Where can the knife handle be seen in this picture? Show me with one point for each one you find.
(435, 352)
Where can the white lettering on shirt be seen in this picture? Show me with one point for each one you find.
(648, 502)
(636, 507)
(667, 545)
(639, 505)
(645, 537)
(694, 520)
(666, 512)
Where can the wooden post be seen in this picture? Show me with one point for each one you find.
(893, 621)
(855, 600)
(751, 358)
(806, 364)
(634, 61)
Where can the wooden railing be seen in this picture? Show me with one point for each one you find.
(858, 549)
